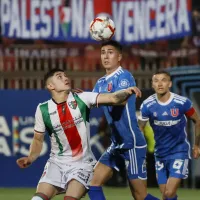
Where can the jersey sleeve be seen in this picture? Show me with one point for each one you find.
(144, 113)
(89, 98)
(39, 123)
(188, 108)
(125, 80)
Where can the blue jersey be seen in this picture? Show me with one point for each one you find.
(125, 133)
(168, 121)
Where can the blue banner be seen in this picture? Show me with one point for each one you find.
(17, 110)
(136, 21)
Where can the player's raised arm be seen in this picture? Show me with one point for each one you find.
(142, 124)
(35, 150)
(196, 119)
(116, 97)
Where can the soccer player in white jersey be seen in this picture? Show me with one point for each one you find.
(127, 141)
(66, 118)
(167, 112)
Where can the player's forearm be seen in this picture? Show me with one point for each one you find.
(35, 149)
(120, 96)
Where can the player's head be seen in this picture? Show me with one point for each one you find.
(57, 80)
(161, 82)
(111, 54)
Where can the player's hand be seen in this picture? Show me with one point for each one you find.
(24, 162)
(135, 90)
(77, 90)
(196, 152)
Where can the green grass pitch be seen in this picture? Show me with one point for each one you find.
(111, 194)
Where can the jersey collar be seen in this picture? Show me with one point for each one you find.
(168, 101)
(113, 73)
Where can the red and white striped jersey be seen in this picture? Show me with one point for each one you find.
(68, 126)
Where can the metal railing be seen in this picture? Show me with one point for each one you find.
(25, 68)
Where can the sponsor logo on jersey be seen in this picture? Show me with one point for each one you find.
(166, 123)
(72, 104)
(124, 83)
(68, 123)
(174, 112)
(109, 88)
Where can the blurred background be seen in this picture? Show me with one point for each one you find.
(38, 35)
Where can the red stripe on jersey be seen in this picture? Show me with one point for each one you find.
(71, 132)
(190, 112)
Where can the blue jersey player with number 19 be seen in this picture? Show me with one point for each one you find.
(167, 112)
(127, 140)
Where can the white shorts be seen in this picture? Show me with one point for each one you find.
(61, 174)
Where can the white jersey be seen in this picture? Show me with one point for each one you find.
(68, 126)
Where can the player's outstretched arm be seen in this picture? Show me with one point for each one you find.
(35, 149)
(196, 149)
(116, 97)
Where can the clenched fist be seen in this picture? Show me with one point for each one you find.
(24, 162)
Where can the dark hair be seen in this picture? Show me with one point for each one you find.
(113, 43)
(163, 72)
(51, 73)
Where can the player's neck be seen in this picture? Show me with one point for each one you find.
(164, 97)
(60, 97)
(111, 70)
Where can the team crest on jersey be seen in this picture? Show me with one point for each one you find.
(72, 104)
(174, 112)
(124, 83)
(109, 88)
(155, 114)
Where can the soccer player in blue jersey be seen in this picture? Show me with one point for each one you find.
(127, 140)
(167, 112)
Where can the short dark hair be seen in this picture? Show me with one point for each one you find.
(163, 72)
(113, 43)
(51, 73)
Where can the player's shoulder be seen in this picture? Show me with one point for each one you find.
(83, 95)
(100, 80)
(179, 99)
(123, 72)
(150, 100)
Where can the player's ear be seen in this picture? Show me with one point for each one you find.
(119, 57)
(50, 86)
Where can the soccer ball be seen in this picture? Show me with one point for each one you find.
(102, 28)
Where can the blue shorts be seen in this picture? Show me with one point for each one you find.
(135, 161)
(177, 168)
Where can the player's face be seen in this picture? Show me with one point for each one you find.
(161, 83)
(59, 82)
(110, 57)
